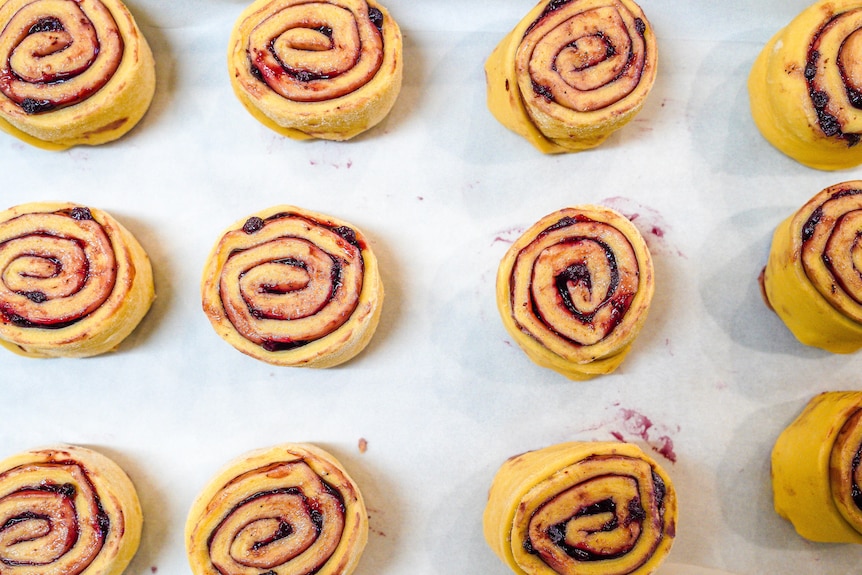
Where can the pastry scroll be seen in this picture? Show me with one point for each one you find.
(811, 279)
(73, 281)
(816, 477)
(805, 87)
(293, 287)
(590, 508)
(67, 510)
(574, 290)
(572, 72)
(287, 510)
(72, 71)
(327, 69)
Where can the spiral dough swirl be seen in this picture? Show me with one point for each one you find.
(576, 285)
(572, 72)
(66, 510)
(581, 508)
(287, 510)
(299, 49)
(55, 53)
(287, 284)
(583, 55)
(834, 74)
(73, 280)
(324, 68)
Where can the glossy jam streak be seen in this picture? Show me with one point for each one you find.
(640, 26)
(811, 224)
(252, 225)
(376, 17)
(36, 296)
(273, 346)
(348, 234)
(81, 214)
(543, 91)
(48, 24)
(33, 106)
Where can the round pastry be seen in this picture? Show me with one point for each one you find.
(811, 278)
(67, 510)
(815, 469)
(805, 87)
(572, 73)
(328, 69)
(574, 290)
(293, 287)
(581, 508)
(287, 510)
(73, 281)
(72, 71)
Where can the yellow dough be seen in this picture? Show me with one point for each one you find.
(72, 71)
(73, 281)
(815, 470)
(291, 509)
(581, 508)
(572, 73)
(811, 279)
(328, 69)
(294, 288)
(806, 84)
(574, 290)
(67, 510)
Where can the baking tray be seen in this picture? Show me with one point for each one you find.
(442, 395)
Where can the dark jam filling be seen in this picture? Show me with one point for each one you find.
(32, 106)
(48, 24)
(252, 225)
(376, 17)
(855, 491)
(325, 30)
(543, 91)
(349, 234)
(829, 124)
(81, 214)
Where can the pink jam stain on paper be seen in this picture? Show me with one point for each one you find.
(630, 425)
(508, 236)
(649, 222)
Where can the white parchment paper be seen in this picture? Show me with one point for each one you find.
(442, 395)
